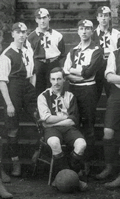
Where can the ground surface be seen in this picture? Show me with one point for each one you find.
(29, 187)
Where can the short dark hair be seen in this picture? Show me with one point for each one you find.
(57, 69)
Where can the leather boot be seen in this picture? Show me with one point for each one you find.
(83, 186)
(3, 192)
(105, 173)
(114, 184)
(16, 168)
(109, 153)
(5, 177)
(60, 163)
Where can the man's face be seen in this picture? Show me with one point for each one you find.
(103, 19)
(85, 33)
(43, 22)
(57, 81)
(19, 36)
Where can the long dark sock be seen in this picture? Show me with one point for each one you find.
(60, 163)
(13, 146)
(109, 150)
(76, 162)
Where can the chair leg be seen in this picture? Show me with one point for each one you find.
(38, 155)
(51, 171)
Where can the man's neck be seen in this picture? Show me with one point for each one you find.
(104, 28)
(18, 45)
(43, 29)
(85, 43)
(57, 92)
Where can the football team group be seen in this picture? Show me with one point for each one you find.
(36, 75)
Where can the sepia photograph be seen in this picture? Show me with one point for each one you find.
(59, 87)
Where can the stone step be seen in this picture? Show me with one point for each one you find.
(27, 130)
(60, 5)
(30, 132)
(28, 147)
(63, 13)
(32, 125)
(26, 152)
(24, 117)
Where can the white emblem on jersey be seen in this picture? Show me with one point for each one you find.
(105, 41)
(82, 59)
(59, 106)
(45, 42)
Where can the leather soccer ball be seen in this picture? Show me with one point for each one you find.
(67, 181)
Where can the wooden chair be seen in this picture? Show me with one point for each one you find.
(42, 145)
(39, 152)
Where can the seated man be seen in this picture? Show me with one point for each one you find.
(58, 110)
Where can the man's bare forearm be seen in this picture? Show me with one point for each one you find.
(75, 78)
(56, 118)
(5, 93)
(67, 122)
(113, 78)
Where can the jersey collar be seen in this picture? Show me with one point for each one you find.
(98, 30)
(90, 46)
(13, 46)
(38, 32)
(52, 92)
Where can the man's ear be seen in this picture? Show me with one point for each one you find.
(49, 18)
(92, 30)
(78, 31)
(36, 20)
(97, 18)
(12, 33)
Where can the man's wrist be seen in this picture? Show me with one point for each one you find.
(10, 104)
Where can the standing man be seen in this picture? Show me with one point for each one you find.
(112, 118)
(58, 110)
(81, 65)
(3, 192)
(16, 85)
(108, 38)
(48, 47)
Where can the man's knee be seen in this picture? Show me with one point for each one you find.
(80, 146)
(108, 133)
(54, 143)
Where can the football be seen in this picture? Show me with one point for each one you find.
(67, 181)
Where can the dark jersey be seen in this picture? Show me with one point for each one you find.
(48, 45)
(113, 64)
(85, 62)
(51, 104)
(109, 40)
(16, 63)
